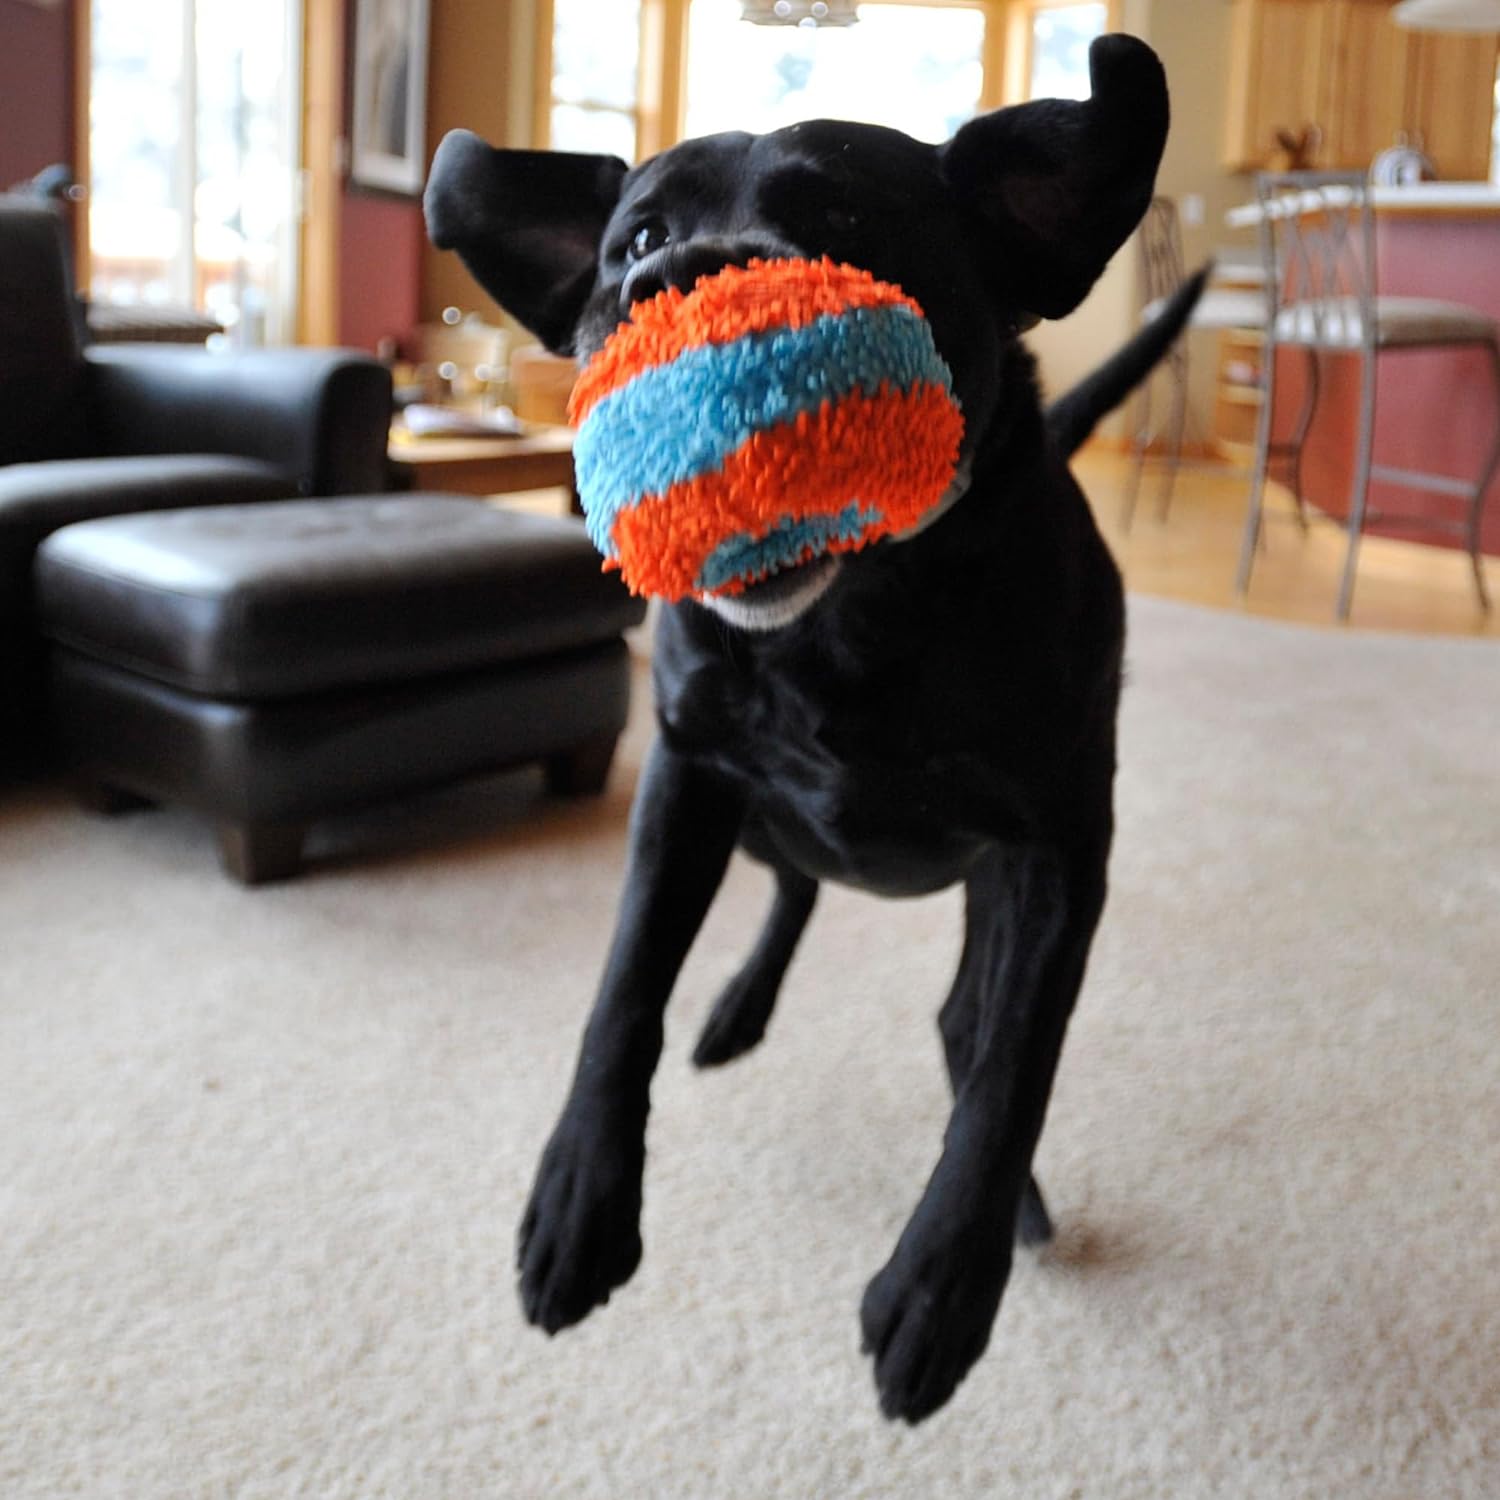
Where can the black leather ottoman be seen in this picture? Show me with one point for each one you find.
(269, 664)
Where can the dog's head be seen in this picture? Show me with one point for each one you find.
(1011, 220)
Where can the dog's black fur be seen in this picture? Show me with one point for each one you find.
(942, 709)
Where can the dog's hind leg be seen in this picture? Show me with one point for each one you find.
(1033, 1222)
(580, 1237)
(956, 1024)
(738, 1019)
(927, 1315)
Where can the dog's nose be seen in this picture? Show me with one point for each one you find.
(681, 265)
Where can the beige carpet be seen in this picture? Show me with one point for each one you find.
(262, 1154)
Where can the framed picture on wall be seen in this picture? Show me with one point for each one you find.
(388, 134)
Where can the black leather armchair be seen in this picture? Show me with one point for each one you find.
(95, 431)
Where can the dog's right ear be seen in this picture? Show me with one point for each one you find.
(527, 224)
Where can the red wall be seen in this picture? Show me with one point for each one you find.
(380, 249)
(380, 268)
(36, 89)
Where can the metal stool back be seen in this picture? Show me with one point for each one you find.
(1159, 245)
(1318, 228)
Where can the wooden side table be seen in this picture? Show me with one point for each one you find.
(540, 459)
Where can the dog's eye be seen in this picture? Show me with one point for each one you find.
(841, 220)
(650, 236)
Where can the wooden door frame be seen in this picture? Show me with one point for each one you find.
(322, 171)
(83, 25)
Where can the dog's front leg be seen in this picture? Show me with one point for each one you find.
(580, 1237)
(926, 1316)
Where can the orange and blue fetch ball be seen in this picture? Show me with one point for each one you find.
(776, 412)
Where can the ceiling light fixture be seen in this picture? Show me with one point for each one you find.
(808, 13)
(1477, 17)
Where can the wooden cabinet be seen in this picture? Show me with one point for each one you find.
(1450, 91)
(1237, 394)
(1345, 73)
(1363, 100)
(1275, 75)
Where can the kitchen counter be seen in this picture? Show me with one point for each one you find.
(1475, 199)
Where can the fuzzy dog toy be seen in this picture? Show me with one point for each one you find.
(776, 412)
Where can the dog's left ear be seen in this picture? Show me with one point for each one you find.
(1058, 185)
(526, 224)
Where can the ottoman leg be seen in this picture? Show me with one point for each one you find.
(102, 797)
(255, 853)
(583, 770)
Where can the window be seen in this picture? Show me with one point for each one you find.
(919, 68)
(1058, 45)
(922, 66)
(193, 136)
(1495, 136)
(595, 70)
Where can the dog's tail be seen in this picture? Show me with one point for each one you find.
(1072, 417)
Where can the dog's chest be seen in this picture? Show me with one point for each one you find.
(848, 775)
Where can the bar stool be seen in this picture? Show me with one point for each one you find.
(1319, 228)
(1159, 243)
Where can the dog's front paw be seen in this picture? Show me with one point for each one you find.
(580, 1237)
(926, 1318)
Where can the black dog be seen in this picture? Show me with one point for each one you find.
(936, 710)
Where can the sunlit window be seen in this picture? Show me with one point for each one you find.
(1060, 37)
(595, 64)
(192, 159)
(918, 68)
(916, 65)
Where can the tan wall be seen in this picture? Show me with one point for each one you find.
(469, 86)
(1192, 39)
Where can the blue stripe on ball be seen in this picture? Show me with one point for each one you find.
(676, 421)
(748, 558)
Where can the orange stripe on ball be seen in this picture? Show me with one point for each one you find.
(895, 451)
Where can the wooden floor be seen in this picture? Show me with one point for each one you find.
(1399, 585)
